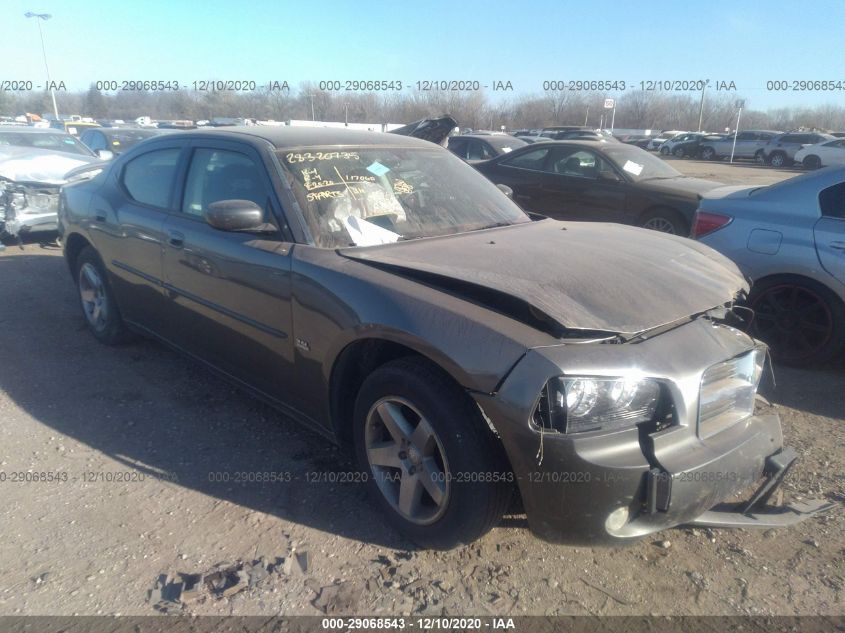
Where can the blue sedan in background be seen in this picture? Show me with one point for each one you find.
(789, 239)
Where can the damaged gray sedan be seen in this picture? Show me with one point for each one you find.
(30, 178)
(383, 293)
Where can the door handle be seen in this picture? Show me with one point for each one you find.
(100, 216)
(175, 239)
(839, 246)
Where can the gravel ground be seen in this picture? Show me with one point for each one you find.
(135, 435)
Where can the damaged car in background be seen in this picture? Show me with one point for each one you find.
(385, 294)
(30, 180)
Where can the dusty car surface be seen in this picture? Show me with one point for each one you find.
(379, 290)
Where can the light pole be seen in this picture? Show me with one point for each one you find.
(701, 106)
(38, 17)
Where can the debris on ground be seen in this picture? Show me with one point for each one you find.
(224, 580)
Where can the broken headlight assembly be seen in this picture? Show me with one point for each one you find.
(577, 404)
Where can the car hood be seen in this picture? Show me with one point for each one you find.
(434, 129)
(681, 185)
(24, 164)
(578, 276)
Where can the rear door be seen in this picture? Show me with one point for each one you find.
(829, 231)
(231, 291)
(746, 145)
(128, 230)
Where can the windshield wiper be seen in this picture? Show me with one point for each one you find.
(495, 225)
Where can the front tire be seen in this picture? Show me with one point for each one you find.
(97, 300)
(812, 162)
(708, 153)
(432, 464)
(679, 152)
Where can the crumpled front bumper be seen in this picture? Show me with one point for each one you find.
(27, 222)
(611, 488)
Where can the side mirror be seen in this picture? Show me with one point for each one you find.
(506, 190)
(104, 154)
(609, 176)
(234, 215)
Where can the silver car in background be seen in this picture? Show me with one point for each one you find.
(789, 238)
(749, 144)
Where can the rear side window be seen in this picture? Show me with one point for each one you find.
(148, 179)
(832, 201)
(529, 160)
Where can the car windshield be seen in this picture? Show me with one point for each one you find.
(124, 139)
(362, 196)
(44, 140)
(638, 164)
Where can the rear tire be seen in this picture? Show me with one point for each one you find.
(777, 159)
(708, 153)
(435, 468)
(665, 220)
(679, 152)
(802, 321)
(96, 299)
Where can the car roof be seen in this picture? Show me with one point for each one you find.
(290, 137)
(578, 142)
(31, 130)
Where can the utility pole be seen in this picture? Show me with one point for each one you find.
(38, 17)
(587, 116)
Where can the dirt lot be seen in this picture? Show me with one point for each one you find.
(140, 433)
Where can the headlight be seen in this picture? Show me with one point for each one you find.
(728, 391)
(38, 201)
(575, 404)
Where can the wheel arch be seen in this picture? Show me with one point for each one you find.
(357, 360)
(795, 277)
(74, 243)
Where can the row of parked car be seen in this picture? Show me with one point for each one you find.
(383, 292)
(812, 150)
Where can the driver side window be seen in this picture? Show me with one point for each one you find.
(217, 175)
(576, 163)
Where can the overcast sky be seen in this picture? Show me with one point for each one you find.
(523, 42)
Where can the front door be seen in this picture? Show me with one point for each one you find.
(231, 291)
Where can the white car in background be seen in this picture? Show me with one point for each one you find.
(657, 141)
(823, 154)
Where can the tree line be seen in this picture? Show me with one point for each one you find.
(637, 109)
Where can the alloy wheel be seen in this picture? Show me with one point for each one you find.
(794, 320)
(659, 223)
(407, 460)
(92, 293)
